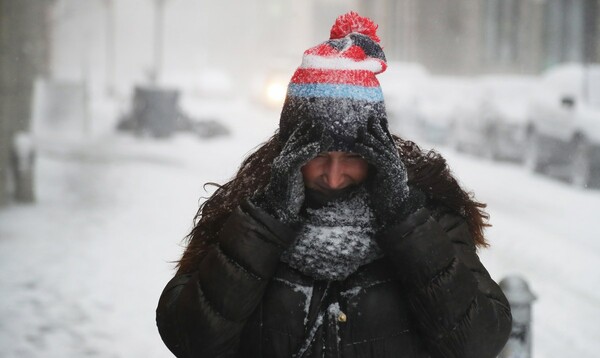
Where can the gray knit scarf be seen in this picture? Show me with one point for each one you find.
(336, 239)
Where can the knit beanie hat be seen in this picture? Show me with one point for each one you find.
(335, 86)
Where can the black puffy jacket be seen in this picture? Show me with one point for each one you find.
(430, 296)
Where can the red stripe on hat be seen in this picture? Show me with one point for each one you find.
(355, 53)
(364, 78)
(322, 50)
(383, 66)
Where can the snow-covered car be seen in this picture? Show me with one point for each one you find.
(437, 103)
(208, 100)
(494, 121)
(565, 124)
(399, 83)
(467, 127)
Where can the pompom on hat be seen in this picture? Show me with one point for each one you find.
(335, 86)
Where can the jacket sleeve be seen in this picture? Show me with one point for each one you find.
(458, 309)
(202, 314)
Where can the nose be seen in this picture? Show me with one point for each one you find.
(334, 174)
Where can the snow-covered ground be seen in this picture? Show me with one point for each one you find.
(82, 269)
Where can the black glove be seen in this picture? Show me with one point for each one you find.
(392, 199)
(283, 197)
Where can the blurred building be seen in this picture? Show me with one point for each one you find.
(482, 36)
(113, 43)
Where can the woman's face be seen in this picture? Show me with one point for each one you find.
(334, 170)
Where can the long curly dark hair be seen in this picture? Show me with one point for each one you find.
(428, 171)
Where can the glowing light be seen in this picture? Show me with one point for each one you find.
(275, 92)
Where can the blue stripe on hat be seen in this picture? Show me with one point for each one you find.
(369, 94)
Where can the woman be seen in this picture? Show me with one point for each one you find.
(335, 238)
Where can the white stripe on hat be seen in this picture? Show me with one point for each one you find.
(340, 63)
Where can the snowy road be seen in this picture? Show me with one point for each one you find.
(81, 271)
(545, 231)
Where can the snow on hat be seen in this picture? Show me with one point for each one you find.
(336, 85)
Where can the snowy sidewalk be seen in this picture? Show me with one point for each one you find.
(82, 269)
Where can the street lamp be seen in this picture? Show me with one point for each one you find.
(158, 39)
(110, 47)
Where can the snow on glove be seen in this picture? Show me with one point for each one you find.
(391, 197)
(284, 195)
